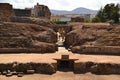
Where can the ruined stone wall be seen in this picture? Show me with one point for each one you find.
(24, 37)
(108, 50)
(41, 11)
(22, 12)
(42, 68)
(6, 11)
(97, 68)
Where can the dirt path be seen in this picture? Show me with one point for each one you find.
(63, 76)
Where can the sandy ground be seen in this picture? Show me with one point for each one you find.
(63, 76)
(48, 57)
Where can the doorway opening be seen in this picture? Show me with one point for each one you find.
(65, 65)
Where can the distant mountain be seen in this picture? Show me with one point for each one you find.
(79, 10)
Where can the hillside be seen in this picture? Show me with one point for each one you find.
(79, 10)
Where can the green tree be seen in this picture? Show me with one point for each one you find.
(110, 12)
(101, 15)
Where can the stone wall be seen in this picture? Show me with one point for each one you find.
(39, 21)
(6, 11)
(108, 50)
(24, 37)
(96, 68)
(50, 68)
(94, 34)
(41, 11)
(41, 68)
(22, 12)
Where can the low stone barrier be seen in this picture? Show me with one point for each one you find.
(107, 50)
(50, 68)
(27, 50)
(43, 68)
(96, 68)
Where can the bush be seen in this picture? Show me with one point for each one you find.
(87, 20)
(61, 22)
(96, 19)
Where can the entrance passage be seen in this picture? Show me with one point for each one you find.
(65, 65)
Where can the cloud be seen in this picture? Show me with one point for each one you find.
(61, 4)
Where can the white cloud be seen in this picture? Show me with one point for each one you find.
(61, 4)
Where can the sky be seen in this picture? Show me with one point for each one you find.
(61, 4)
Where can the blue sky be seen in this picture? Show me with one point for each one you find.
(61, 4)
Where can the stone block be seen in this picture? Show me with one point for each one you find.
(64, 56)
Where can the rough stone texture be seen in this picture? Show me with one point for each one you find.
(6, 11)
(42, 22)
(42, 48)
(97, 68)
(41, 11)
(66, 28)
(82, 67)
(108, 50)
(93, 34)
(47, 68)
(78, 37)
(22, 35)
(22, 12)
(44, 68)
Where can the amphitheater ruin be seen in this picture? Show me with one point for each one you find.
(31, 43)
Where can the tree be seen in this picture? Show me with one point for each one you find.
(109, 13)
(101, 15)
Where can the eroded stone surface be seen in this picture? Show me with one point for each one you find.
(43, 68)
(97, 68)
(93, 34)
(41, 11)
(24, 35)
(6, 11)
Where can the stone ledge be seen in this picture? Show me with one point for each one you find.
(42, 68)
(107, 50)
(97, 68)
(24, 50)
